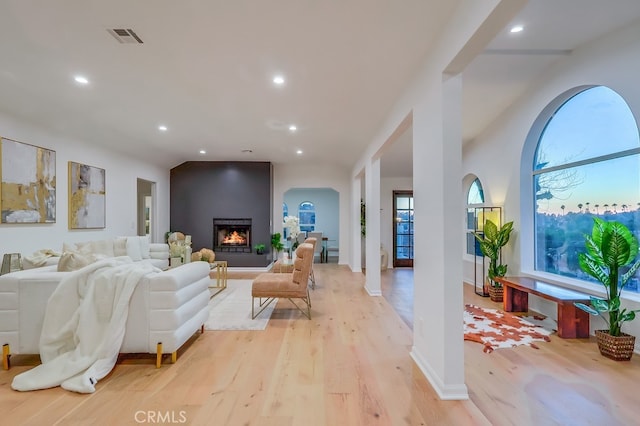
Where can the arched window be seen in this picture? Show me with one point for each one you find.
(307, 216)
(475, 198)
(587, 163)
(285, 213)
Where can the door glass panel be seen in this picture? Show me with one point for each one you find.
(402, 203)
(403, 229)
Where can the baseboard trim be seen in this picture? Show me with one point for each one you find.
(445, 392)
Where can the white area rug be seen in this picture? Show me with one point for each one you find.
(231, 309)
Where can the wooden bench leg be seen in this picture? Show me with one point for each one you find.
(572, 322)
(515, 300)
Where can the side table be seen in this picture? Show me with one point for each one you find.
(221, 275)
(286, 265)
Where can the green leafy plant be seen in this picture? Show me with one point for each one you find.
(276, 242)
(259, 248)
(610, 247)
(491, 242)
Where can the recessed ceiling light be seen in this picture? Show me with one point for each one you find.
(293, 128)
(517, 28)
(80, 79)
(202, 151)
(299, 152)
(278, 79)
(162, 128)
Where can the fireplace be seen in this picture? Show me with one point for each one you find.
(232, 235)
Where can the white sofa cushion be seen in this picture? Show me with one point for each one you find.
(133, 249)
(120, 246)
(102, 247)
(144, 247)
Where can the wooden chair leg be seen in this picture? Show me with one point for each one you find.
(158, 354)
(6, 354)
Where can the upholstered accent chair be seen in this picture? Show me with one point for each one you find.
(279, 267)
(268, 287)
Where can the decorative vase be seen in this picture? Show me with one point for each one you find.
(618, 348)
(175, 261)
(496, 293)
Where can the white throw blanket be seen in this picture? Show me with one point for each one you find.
(40, 257)
(84, 325)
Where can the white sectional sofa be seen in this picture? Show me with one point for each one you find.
(166, 308)
(137, 248)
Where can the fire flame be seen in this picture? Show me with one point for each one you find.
(234, 238)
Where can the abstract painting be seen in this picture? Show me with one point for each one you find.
(28, 190)
(87, 196)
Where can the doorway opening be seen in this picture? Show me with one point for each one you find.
(403, 229)
(146, 210)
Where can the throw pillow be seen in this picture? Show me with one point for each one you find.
(120, 246)
(72, 261)
(103, 247)
(133, 249)
(69, 247)
(144, 247)
(85, 248)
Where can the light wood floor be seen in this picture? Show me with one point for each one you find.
(349, 365)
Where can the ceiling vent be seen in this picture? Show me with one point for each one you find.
(125, 36)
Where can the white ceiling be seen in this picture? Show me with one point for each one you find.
(205, 69)
(496, 78)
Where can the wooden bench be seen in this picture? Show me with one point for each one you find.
(572, 322)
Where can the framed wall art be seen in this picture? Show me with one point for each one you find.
(87, 196)
(28, 183)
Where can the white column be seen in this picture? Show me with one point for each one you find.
(356, 246)
(372, 190)
(438, 303)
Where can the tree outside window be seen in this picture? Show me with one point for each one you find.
(587, 164)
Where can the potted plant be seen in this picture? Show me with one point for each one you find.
(491, 242)
(259, 248)
(276, 244)
(610, 247)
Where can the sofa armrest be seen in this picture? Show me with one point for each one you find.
(159, 250)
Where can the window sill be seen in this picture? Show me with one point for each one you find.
(579, 285)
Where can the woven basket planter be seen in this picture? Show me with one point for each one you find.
(618, 348)
(496, 293)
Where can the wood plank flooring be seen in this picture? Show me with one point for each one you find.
(564, 382)
(349, 365)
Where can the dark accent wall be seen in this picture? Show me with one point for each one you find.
(203, 190)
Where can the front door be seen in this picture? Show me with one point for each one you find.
(403, 228)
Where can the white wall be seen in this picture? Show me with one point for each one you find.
(387, 186)
(288, 176)
(612, 61)
(121, 187)
(327, 204)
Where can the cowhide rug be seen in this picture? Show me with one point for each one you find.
(496, 329)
